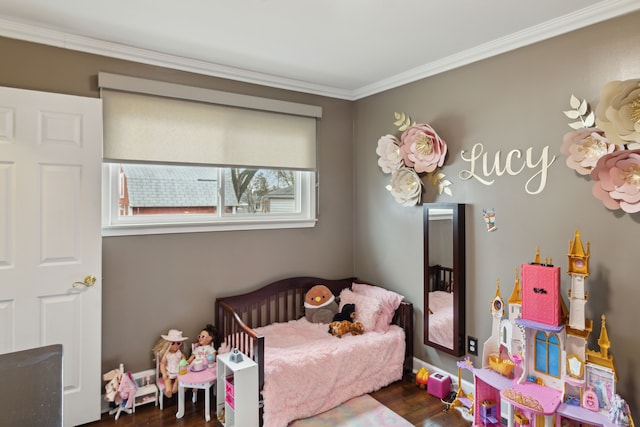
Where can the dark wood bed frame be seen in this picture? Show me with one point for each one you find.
(440, 278)
(281, 301)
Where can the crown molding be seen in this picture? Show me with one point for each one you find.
(562, 25)
(573, 21)
(31, 33)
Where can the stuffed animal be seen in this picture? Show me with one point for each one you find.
(348, 313)
(343, 327)
(338, 329)
(320, 304)
(356, 328)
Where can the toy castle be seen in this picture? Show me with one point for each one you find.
(536, 362)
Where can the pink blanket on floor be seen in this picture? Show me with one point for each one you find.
(308, 371)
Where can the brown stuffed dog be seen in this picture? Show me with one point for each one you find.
(343, 327)
(357, 328)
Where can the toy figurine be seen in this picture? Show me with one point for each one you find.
(206, 346)
(619, 412)
(168, 349)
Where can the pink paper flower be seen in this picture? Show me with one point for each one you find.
(422, 148)
(617, 177)
(584, 147)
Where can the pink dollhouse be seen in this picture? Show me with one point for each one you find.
(536, 367)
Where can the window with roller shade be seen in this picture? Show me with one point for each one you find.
(184, 159)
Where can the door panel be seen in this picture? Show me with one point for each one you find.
(50, 237)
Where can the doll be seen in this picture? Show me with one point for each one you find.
(168, 349)
(206, 345)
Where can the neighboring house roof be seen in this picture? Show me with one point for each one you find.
(281, 193)
(162, 186)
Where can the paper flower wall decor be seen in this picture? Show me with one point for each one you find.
(608, 153)
(419, 150)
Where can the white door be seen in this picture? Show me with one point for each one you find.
(50, 238)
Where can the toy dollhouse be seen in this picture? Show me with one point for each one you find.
(536, 367)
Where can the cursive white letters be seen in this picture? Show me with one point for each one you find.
(510, 166)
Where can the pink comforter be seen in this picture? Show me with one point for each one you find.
(441, 318)
(308, 371)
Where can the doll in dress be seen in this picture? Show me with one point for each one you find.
(168, 349)
(206, 345)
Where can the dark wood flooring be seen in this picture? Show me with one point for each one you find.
(403, 397)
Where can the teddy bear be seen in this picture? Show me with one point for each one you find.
(348, 313)
(320, 304)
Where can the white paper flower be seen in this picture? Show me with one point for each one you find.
(389, 151)
(618, 113)
(405, 186)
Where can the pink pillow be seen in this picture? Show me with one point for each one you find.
(389, 300)
(368, 309)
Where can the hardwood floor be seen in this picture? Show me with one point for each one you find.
(403, 397)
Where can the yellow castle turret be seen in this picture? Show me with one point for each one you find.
(602, 357)
(515, 300)
(578, 269)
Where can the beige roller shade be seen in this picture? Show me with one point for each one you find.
(140, 127)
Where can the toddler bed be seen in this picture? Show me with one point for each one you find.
(303, 370)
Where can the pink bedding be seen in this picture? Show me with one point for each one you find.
(441, 318)
(309, 371)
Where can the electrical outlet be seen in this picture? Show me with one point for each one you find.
(472, 346)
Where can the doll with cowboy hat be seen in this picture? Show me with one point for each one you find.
(168, 349)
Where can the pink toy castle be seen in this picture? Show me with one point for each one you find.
(536, 362)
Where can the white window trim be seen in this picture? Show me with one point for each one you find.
(112, 226)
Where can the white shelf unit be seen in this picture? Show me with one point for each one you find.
(147, 388)
(237, 391)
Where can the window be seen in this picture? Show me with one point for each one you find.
(145, 198)
(547, 354)
(185, 159)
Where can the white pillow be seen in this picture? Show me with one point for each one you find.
(368, 309)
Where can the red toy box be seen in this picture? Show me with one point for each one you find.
(439, 385)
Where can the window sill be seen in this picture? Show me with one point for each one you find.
(137, 229)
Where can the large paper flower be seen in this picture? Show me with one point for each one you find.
(389, 151)
(584, 147)
(618, 112)
(617, 177)
(405, 186)
(422, 148)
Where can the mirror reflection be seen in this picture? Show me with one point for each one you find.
(444, 277)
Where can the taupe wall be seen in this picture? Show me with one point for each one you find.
(513, 101)
(153, 283)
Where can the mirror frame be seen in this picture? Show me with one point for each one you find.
(459, 275)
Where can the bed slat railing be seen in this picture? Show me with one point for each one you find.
(235, 332)
(404, 318)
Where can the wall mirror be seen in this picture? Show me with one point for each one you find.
(444, 277)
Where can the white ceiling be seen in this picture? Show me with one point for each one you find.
(345, 49)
